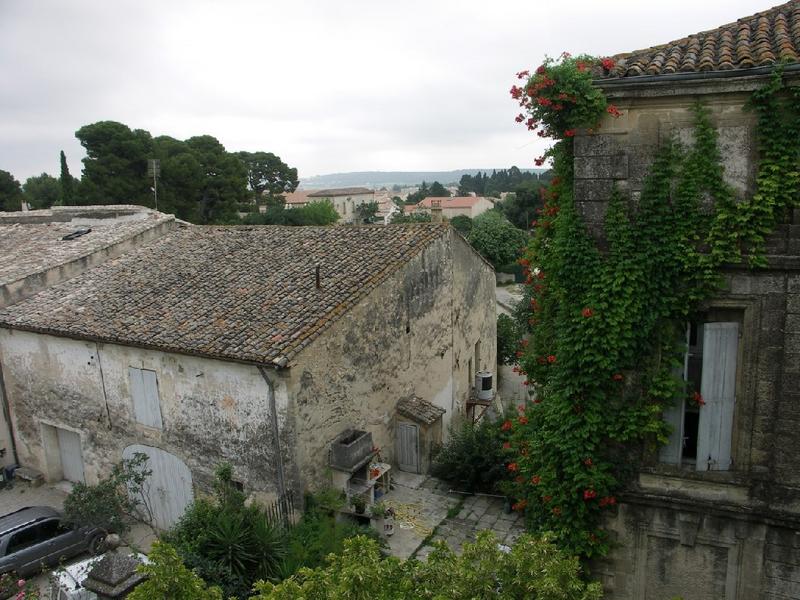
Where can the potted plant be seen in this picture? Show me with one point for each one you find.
(359, 504)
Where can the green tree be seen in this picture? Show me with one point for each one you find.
(268, 177)
(224, 182)
(180, 187)
(534, 569)
(367, 211)
(42, 191)
(399, 217)
(437, 190)
(462, 224)
(168, 577)
(522, 206)
(497, 240)
(509, 335)
(10, 192)
(115, 167)
(67, 182)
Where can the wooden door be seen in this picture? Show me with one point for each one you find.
(69, 449)
(408, 447)
(168, 490)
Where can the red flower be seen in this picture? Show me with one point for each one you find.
(608, 64)
(520, 505)
(519, 118)
(541, 70)
(521, 408)
(506, 445)
(536, 480)
(537, 401)
(507, 426)
(617, 377)
(523, 420)
(589, 494)
(613, 110)
(523, 74)
(587, 312)
(569, 132)
(607, 501)
(697, 398)
(557, 511)
(551, 359)
(539, 161)
(581, 66)
(516, 92)
(513, 467)
(546, 498)
(540, 275)
(587, 462)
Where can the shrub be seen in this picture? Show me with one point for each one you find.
(114, 501)
(533, 568)
(508, 338)
(472, 457)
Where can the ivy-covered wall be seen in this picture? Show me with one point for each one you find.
(677, 531)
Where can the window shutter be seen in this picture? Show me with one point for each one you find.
(671, 453)
(144, 393)
(718, 388)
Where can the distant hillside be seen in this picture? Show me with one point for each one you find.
(379, 179)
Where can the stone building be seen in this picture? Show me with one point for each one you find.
(717, 513)
(252, 345)
(344, 200)
(466, 206)
(41, 248)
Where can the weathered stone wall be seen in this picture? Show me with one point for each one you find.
(411, 335)
(212, 411)
(731, 534)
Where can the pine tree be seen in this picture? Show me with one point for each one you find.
(66, 182)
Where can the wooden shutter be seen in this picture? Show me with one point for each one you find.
(144, 393)
(718, 388)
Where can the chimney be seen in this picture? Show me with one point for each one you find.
(436, 210)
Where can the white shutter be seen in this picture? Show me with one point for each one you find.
(671, 453)
(144, 393)
(718, 388)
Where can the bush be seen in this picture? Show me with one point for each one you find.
(472, 457)
(533, 568)
(316, 536)
(508, 338)
(497, 240)
(114, 501)
(226, 542)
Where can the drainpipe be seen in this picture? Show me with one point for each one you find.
(275, 431)
(7, 416)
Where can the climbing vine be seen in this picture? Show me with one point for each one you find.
(605, 319)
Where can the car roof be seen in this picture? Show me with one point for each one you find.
(24, 516)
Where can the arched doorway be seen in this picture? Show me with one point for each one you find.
(168, 490)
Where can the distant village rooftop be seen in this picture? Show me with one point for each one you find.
(240, 293)
(348, 191)
(454, 202)
(758, 41)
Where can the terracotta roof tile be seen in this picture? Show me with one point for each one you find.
(419, 410)
(241, 293)
(760, 40)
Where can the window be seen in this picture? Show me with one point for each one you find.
(702, 420)
(144, 392)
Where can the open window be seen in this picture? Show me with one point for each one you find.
(702, 420)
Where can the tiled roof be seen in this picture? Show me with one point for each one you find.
(297, 197)
(756, 41)
(31, 242)
(454, 202)
(241, 293)
(351, 191)
(419, 410)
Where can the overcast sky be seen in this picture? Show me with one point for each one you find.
(329, 86)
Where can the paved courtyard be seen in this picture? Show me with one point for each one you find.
(422, 505)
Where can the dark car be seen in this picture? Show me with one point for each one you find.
(37, 536)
